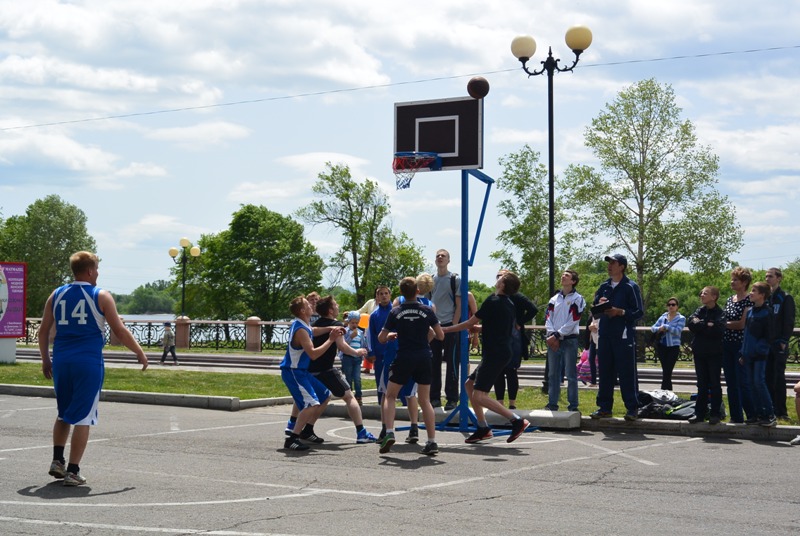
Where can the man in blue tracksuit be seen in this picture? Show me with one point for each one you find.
(616, 349)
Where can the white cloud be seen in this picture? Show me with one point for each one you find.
(198, 137)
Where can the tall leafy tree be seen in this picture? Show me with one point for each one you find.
(359, 212)
(255, 267)
(655, 192)
(525, 243)
(44, 237)
(153, 297)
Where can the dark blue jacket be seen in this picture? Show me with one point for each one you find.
(626, 296)
(757, 333)
(783, 315)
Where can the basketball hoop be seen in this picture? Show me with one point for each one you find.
(406, 164)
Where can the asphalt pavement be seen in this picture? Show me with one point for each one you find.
(156, 469)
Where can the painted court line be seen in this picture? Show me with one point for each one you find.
(153, 434)
(129, 528)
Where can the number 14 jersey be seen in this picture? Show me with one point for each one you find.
(80, 326)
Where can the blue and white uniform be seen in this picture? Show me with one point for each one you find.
(78, 368)
(306, 390)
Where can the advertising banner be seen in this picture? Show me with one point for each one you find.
(12, 299)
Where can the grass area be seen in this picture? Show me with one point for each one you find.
(246, 386)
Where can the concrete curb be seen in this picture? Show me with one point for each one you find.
(555, 420)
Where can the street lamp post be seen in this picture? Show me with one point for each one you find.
(193, 251)
(578, 39)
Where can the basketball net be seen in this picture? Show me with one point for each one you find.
(406, 165)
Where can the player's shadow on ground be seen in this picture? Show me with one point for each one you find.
(416, 463)
(627, 437)
(324, 447)
(56, 490)
(491, 452)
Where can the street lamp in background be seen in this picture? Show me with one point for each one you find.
(193, 251)
(578, 39)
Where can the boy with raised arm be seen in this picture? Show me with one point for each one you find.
(498, 320)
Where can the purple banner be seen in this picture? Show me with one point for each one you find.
(12, 299)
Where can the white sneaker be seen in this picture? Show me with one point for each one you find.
(74, 479)
(795, 441)
(57, 470)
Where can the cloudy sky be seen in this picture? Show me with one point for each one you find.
(160, 118)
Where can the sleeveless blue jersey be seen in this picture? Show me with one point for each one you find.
(80, 326)
(296, 358)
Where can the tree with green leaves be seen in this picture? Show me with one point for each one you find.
(358, 212)
(149, 298)
(44, 237)
(255, 267)
(654, 193)
(526, 241)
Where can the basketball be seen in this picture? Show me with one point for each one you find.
(478, 87)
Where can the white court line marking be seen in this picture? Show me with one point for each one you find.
(140, 529)
(154, 434)
(48, 408)
(308, 492)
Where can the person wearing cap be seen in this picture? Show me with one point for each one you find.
(168, 342)
(351, 364)
(616, 349)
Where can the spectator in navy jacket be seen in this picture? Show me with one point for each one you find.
(755, 350)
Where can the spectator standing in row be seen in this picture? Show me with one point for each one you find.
(616, 350)
(755, 351)
(783, 315)
(736, 308)
(668, 329)
(446, 294)
(351, 364)
(562, 323)
(707, 324)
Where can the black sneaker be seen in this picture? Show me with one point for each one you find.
(294, 444)
(694, 419)
(430, 448)
(386, 443)
(311, 437)
(714, 419)
(517, 427)
(631, 416)
(479, 435)
(450, 405)
(413, 435)
(768, 422)
(600, 414)
(752, 421)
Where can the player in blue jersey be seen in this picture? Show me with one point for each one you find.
(309, 394)
(78, 312)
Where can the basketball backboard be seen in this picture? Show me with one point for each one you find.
(453, 128)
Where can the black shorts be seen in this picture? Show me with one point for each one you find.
(487, 372)
(415, 366)
(334, 380)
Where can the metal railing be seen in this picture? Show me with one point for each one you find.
(231, 334)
